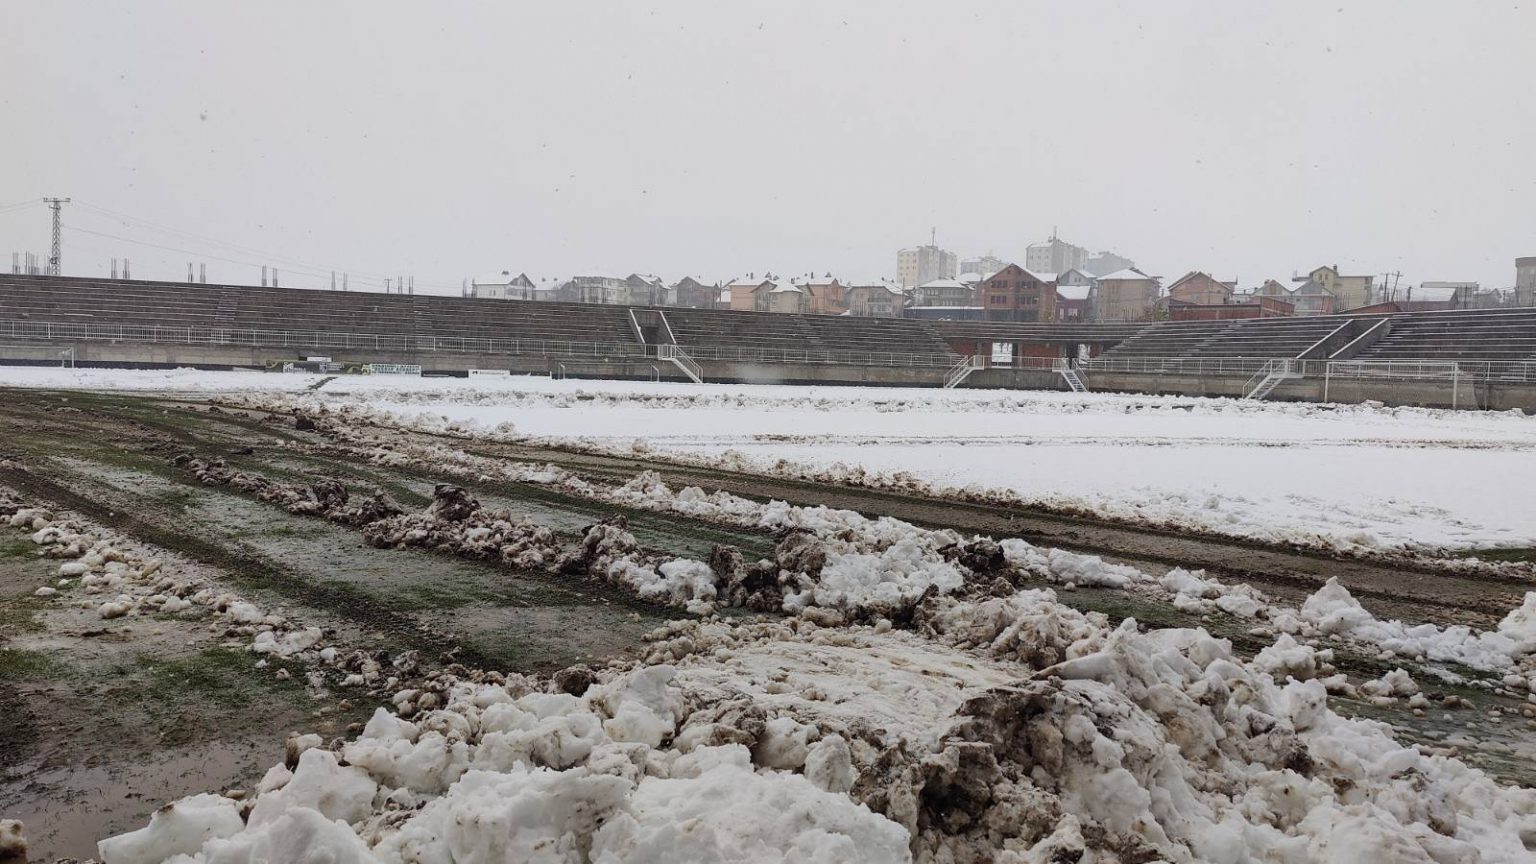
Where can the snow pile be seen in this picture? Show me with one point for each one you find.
(1007, 728)
(1333, 611)
(610, 553)
(455, 523)
(504, 770)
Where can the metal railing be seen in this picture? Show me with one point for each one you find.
(1513, 371)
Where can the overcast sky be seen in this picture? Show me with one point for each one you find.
(457, 139)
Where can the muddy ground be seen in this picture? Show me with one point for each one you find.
(102, 721)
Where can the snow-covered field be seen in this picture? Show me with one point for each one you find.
(1350, 476)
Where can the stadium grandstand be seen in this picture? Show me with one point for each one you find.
(1405, 358)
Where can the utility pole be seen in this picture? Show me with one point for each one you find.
(55, 204)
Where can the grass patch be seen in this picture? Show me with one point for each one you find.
(19, 664)
(1517, 555)
(18, 547)
(222, 677)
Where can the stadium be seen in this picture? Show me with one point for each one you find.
(1457, 359)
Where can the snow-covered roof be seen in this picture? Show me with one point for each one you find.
(1043, 277)
(1124, 274)
(1074, 292)
(971, 276)
(888, 286)
(785, 288)
(1440, 290)
(745, 282)
(944, 283)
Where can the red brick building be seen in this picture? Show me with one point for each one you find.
(1255, 307)
(1015, 294)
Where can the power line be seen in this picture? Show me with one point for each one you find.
(315, 269)
(162, 246)
(21, 205)
(215, 242)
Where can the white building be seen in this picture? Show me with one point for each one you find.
(1054, 256)
(925, 264)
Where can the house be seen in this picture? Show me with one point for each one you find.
(875, 298)
(742, 292)
(1198, 288)
(503, 287)
(1351, 292)
(692, 293)
(1125, 295)
(645, 290)
(944, 292)
(780, 296)
(1015, 294)
(824, 295)
(1311, 298)
(1073, 302)
(595, 288)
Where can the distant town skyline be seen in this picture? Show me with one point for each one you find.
(705, 139)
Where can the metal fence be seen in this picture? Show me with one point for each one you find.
(403, 343)
(1514, 371)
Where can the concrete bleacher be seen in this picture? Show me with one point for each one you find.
(723, 334)
(454, 323)
(1257, 338)
(1493, 335)
(243, 314)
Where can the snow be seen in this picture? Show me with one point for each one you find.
(1123, 274)
(1349, 477)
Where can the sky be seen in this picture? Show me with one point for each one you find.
(454, 140)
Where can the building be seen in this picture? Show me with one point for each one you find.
(944, 292)
(1054, 256)
(984, 266)
(645, 290)
(1525, 281)
(1125, 295)
(692, 293)
(875, 299)
(1074, 302)
(742, 292)
(503, 287)
(1015, 294)
(596, 288)
(776, 295)
(824, 295)
(1101, 263)
(1311, 298)
(1351, 291)
(1200, 289)
(1252, 306)
(925, 264)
